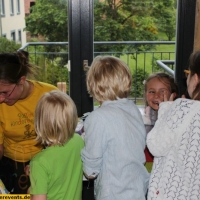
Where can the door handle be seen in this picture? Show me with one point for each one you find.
(85, 65)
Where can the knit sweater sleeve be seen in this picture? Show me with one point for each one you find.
(161, 138)
(173, 119)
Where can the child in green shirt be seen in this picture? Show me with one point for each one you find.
(56, 172)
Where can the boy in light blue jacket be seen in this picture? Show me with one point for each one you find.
(114, 134)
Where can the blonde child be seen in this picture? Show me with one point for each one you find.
(158, 87)
(114, 134)
(56, 172)
(175, 143)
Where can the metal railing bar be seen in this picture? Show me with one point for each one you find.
(165, 67)
(135, 42)
(96, 42)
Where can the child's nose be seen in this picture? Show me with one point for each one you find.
(158, 94)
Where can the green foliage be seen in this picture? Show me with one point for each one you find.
(114, 20)
(167, 24)
(8, 45)
(56, 73)
(123, 20)
(49, 19)
(138, 78)
(165, 13)
(51, 70)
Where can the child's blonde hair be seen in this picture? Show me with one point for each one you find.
(108, 78)
(55, 118)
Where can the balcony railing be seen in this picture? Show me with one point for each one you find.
(52, 59)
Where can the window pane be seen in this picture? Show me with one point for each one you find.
(2, 8)
(13, 36)
(11, 7)
(18, 6)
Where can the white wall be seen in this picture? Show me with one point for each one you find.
(13, 22)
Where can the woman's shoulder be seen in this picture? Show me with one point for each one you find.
(181, 109)
(176, 104)
(186, 103)
(43, 86)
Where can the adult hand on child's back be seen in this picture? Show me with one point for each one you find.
(27, 170)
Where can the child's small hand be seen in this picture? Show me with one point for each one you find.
(89, 177)
(171, 98)
(183, 96)
(165, 98)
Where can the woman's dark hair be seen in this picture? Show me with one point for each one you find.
(194, 67)
(14, 65)
(166, 79)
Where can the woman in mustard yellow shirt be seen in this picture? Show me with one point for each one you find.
(18, 99)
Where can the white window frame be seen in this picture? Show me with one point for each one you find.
(13, 36)
(2, 8)
(20, 36)
(18, 6)
(11, 7)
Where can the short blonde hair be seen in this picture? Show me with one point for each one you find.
(108, 78)
(55, 118)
